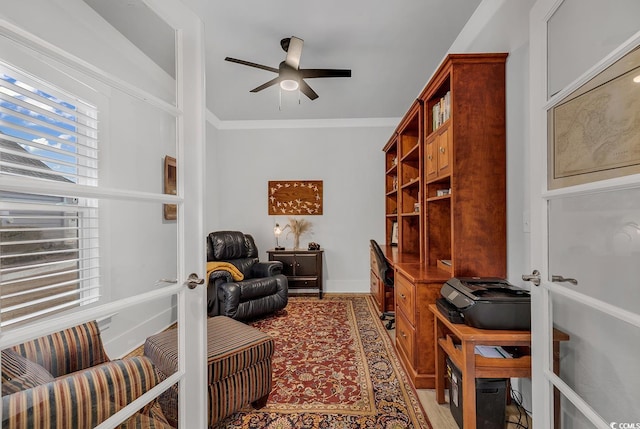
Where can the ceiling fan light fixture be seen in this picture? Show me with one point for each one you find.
(290, 76)
(289, 84)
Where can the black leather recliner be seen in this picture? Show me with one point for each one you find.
(263, 289)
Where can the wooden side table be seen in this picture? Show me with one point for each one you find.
(303, 268)
(449, 335)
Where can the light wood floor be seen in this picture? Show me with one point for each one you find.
(441, 418)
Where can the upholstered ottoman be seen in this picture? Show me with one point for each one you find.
(239, 367)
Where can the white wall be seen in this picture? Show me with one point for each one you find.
(211, 206)
(350, 163)
(137, 245)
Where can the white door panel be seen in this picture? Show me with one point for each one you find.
(586, 232)
(144, 258)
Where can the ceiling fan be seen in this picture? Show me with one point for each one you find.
(290, 75)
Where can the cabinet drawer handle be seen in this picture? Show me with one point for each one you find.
(297, 265)
(429, 157)
(403, 334)
(441, 150)
(403, 296)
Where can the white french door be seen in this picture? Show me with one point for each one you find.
(585, 237)
(140, 265)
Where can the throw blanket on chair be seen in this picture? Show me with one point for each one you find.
(225, 266)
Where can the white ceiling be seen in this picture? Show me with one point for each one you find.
(391, 46)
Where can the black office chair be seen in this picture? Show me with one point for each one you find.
(386, 275)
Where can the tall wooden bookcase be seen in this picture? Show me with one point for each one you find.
(445, 179)
(466, 163)
(448, 158)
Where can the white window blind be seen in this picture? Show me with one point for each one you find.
(48, 242)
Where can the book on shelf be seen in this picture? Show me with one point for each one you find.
(441, 111)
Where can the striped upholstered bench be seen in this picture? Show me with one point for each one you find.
(239, 367)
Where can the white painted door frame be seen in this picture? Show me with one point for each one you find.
(190, 64)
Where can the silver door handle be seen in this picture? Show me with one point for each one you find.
(533, 278)
(560, 279)
(193, 281)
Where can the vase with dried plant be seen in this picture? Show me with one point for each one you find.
(298, 227)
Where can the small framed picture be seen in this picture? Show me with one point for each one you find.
(394, 233)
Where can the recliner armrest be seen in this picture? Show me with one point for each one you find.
(84, 398)
(66, 351)
(266, 269)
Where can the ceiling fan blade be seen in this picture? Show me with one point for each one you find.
(266, 85)
(306, 90)
(247, 63)
(311, 73)
(294, 52)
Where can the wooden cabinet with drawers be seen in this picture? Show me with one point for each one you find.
(414, 323)
(303, 268)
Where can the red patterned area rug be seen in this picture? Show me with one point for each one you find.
(334, 367)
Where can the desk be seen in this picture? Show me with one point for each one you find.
(416, 286)
(473, 366)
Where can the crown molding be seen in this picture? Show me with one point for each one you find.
(301, 123)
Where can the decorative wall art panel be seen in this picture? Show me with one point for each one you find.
(295, 197)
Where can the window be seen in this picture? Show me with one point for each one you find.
(49, 238)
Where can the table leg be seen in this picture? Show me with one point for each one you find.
(440, 368)
(468, 385)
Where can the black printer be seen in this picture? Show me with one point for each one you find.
(486, 303)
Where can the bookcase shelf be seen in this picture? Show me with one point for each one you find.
(413, 182)
(443, 197)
